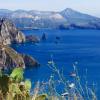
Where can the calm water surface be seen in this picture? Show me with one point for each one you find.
(82, 46)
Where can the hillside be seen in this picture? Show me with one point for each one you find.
(67, 19)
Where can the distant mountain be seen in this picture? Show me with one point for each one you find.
(5, 12)
(78, 19)
(66, 19)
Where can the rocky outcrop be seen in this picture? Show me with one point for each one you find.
(32, 38)
(9, 58)
(30, 61)
(9, 33)
(44, 37)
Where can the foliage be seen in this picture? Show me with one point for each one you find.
(11, 87)
(14, 87)
(17, 74)
(73, 89)
(4, 84)
(28, 85)
(41, 97)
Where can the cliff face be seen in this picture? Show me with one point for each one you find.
(9, 33)
(30, 61)
(9, 58)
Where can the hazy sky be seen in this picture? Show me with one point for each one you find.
(87, 6)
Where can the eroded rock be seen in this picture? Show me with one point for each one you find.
(30, 61)
(32, 38)
(9, 58)
(9, 33)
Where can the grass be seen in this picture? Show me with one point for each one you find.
(15, 87)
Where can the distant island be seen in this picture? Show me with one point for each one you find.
(66, 19)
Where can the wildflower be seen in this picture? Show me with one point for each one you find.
(72, 85)
(65, 94)
(73, 74)
(50, 62)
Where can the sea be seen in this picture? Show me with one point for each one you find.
(65, 47)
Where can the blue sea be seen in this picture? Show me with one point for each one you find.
(82, 46)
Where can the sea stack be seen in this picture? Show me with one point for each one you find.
(44, 36)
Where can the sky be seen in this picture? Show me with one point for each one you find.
(86, 6)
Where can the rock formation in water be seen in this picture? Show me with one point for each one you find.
(44, 37)
(9, 58)
(32, 38)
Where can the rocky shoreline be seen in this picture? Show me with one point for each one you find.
(10, 58)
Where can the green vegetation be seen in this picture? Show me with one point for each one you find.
(15, 87)
(11, 87)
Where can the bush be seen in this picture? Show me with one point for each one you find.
(14, 87)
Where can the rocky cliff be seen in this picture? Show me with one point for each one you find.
(9, 58)
(9, 33)
(30, 61)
